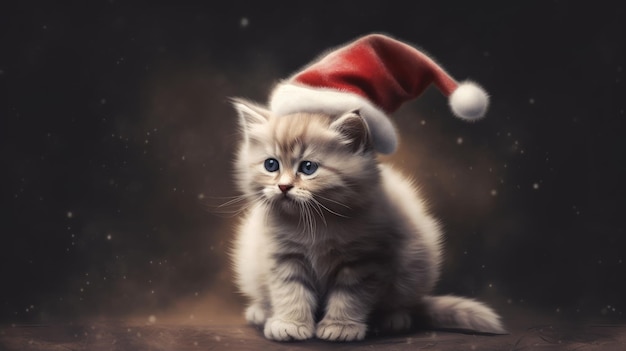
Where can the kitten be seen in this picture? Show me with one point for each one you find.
(334, 241)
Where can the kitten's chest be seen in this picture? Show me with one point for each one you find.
(327, 249)
(324, 258)
(329, 257)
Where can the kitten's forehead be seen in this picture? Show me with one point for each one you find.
(299, 132)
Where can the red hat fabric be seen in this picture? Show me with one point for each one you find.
(376, 75)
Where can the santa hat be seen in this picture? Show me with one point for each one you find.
(374, 74)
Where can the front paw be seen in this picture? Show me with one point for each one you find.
(285, 330)
(340, 330)
(256, 314)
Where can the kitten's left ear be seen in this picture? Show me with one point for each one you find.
(356, 132)
(250, 114)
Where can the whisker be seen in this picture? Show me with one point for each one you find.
(308, 219)
(305, 219)
(301, 218)
(319, 211)
(329, 210)
(333, 201)
(313, 223)
(235, 206)
(234, 200)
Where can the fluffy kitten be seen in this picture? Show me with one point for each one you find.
(334, 241)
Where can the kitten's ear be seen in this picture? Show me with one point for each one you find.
(250, 114)
(356, 132)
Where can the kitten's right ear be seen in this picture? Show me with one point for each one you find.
(250, 114)
(354, 129)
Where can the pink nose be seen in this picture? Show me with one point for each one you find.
(285, 187)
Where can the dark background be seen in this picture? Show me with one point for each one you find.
(117, 141)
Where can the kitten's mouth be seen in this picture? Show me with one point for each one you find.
(287, 202)
(286, 199)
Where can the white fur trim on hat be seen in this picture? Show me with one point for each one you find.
(469, 101)
(288, 98)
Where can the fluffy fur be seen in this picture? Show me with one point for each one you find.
(348, 247)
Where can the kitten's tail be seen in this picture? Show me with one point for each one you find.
(452, 312)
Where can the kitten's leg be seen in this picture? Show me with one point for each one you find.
(395, 321)
(349, 304)
(251, 266)
(293, 299)
(257, 313)
(395, 311)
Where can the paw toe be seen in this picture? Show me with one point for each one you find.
(341, 331)
(284, 330)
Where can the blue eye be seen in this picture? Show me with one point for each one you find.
(271, 165)
(308, 167)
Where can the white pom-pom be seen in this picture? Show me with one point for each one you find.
(469, 101)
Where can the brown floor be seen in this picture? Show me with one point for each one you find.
(131, 336)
